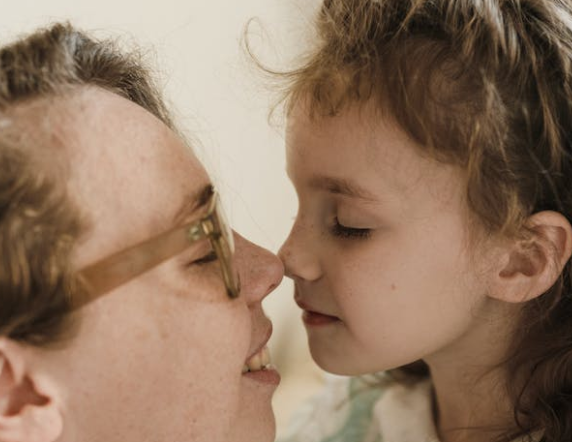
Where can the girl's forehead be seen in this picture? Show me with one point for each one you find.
(367, 148)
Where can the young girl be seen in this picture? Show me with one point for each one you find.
(429, 142)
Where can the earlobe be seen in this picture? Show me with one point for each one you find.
(530, 267)
(28, 408)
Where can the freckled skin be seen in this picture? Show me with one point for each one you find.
(160, 357)
(408, 291)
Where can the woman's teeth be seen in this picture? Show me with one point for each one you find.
(259, 361)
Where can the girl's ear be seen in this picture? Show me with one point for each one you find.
(29, 411)
(528, 268)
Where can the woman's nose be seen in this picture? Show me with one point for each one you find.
(260, 270)
(299, 257)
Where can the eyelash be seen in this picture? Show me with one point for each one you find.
(207, 259)
(342, 231)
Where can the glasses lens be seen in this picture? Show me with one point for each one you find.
(226, 248)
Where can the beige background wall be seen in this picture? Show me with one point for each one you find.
(194, 44)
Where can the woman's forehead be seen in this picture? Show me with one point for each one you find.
(130, 173)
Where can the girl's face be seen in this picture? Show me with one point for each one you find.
(379, 252)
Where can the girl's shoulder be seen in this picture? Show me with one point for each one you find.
(342, 411)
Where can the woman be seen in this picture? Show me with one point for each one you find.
(128, 313)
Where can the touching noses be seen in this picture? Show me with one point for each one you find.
(260, 270)
(299, 257)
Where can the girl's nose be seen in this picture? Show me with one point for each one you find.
(299, 257)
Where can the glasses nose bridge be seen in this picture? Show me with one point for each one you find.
(217, 229)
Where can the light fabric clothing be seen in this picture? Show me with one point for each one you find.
(368, 409)
(341, 412)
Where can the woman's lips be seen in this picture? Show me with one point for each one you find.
(267, 375)
(258, 366)
(260, 369)
(316, 319)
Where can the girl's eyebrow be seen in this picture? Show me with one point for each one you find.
(341, 186)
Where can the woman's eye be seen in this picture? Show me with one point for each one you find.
(210, 257)
(342, 231)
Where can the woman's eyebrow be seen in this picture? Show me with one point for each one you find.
(341, 186)
(193, 202)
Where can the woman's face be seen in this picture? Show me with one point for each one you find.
(379, 250)
(161, 357)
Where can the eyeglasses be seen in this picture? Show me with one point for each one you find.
(125, 265)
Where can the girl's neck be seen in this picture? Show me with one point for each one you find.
(467, 412)
(471, 400)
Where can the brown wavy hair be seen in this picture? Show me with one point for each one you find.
(39, 222)
(487, 86)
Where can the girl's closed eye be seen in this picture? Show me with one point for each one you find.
(341, 231)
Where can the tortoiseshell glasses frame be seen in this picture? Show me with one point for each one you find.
(117, 269)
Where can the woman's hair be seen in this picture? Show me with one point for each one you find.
(39, 223)
(485, 85)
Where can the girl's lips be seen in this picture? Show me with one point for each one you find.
(311, 318)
